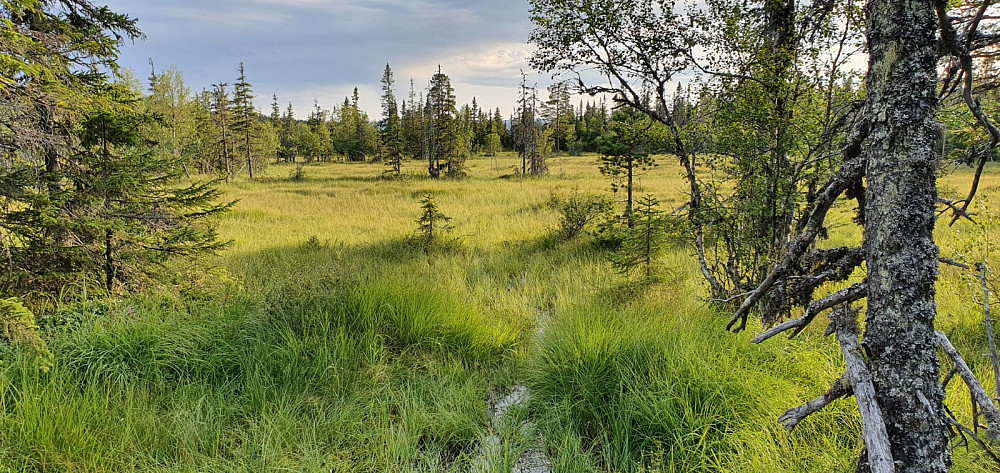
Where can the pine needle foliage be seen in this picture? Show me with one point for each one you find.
(646, 241)
(18, 330)
(432, 222)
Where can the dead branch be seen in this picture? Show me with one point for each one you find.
(966, 433)
(953, 206)
(981, 274)
(844, 322)
(989, 411)
(854, 293)
(951, 42)
(951, 262)
(792, 417)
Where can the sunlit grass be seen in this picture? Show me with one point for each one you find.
(343, 346)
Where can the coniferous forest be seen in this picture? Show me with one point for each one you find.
(692, 236)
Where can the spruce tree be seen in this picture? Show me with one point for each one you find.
(432, 221)
(129, 213)
(444, 133)
(644, 242)
(289, 149)
(275, 111)
(244, 117)
(390, 126)
(560, 117)
(626, 152)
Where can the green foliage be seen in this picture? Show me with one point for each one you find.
(90, 195)
(250, 132)
(561, 117)
(130, 211)
(493, 145)
(353, 135)
(391, 128)
(446, 154)
(432, 223)
(578, 210)
(626, 152)
(18, 329)
(646, 241)
(364, 355)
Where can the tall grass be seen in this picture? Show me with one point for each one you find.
(326, 341)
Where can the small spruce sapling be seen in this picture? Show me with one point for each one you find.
(432, 221)
(645, 241)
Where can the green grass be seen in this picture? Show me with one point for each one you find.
(327, 341)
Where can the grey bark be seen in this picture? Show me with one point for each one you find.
(981, 274)
(792, 417)
(900, 251)
(879, 455)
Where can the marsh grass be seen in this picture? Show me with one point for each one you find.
(326, 341)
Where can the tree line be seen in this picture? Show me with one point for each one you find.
(218, 131)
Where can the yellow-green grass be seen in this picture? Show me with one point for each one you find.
(343, 346)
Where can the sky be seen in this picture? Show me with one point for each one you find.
(303, 50)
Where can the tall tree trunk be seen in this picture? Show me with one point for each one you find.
(629, 208)
(899, 240)
(109, 262)
(249, 149)
(775, 227)
(48, 126)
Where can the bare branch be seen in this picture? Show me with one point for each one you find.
(958, 211)
(989, 410)
(854, 293)
(845, 324)
(792, 417)
(951, 42)
(951, 262)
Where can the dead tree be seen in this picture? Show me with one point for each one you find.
(887, 140)
(897, 132)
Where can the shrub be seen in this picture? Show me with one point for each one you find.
(18, 329)
(580, 210)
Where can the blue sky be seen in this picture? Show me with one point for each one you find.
(321, 49)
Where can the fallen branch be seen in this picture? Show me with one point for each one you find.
(981, 273)
(988, 409)
(844, 322)
(792, 417)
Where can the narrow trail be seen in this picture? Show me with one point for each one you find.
(534, 459)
